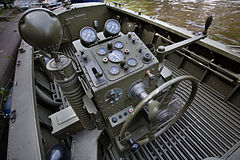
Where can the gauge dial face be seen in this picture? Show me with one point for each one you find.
(116, 56)
(114, 70)
(88, 34)
(113, 95)
(102, 51)
(118, 45)
(132, 62)
(112, 27)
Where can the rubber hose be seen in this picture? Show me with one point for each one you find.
(43, 97)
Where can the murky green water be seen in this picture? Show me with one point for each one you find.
(191, 14)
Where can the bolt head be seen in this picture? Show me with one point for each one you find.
(161, 48)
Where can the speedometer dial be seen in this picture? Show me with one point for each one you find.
(116, 56)
(88, 36)
(111, 28)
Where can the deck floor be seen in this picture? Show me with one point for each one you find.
(209, 128)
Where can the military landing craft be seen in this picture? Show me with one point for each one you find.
(97, 81)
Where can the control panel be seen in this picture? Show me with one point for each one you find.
(120, 116)
(111, 65)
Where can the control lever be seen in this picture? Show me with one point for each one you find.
(134, 146)
(98, 74)
(207, 24)
(163, 51)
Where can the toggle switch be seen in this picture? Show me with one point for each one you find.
(150, 75)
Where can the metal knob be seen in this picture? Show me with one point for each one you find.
(133, 40)
(84, 56)
(146, 57)
(126, 67)
(98, 74)
(129, 34)
(109, 46)
(134, 146)
(122, 63)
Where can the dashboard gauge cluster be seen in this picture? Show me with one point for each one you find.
(88, 36)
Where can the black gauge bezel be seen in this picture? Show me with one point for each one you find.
(130, 64)
(110, 59)
(108, 33)
(102, 54)
(118, 42)
(87, 43)
(109, 70)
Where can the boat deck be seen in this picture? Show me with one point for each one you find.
(209, 128)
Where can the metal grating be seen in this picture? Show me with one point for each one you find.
(209, 128)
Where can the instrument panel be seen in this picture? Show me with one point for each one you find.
(111, 66)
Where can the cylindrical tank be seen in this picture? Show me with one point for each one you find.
(66, 77)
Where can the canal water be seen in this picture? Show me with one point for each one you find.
(191, 15)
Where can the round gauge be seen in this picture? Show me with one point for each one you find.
(132, 62)
(114, 70)
(102, 51)
(88, 36)
(116, 56)
(118, 45)
(111, 28)
(113, 95)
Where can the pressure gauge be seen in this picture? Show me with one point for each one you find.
(111, 28)
(116, 56)
(118, 45)
(132, 62)
(114, 70)
(102, 51)
(88, 36)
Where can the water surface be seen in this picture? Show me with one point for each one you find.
(191, 14)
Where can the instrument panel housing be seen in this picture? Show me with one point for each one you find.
(123, 80)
